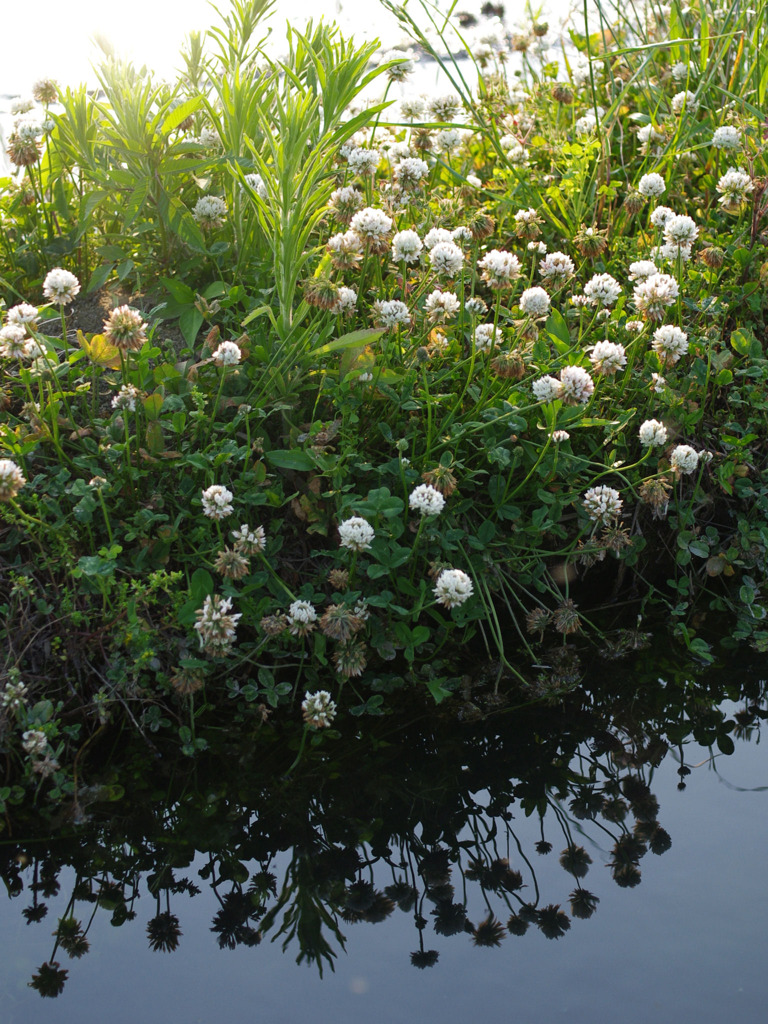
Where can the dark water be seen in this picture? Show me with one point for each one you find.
(427, 802)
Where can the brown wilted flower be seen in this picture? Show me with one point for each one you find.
(274, 625)
(23, 152)
(187, 681)
(489, 932)
(655, 492)
(350, 659)
(231, 564)
(712, 256)
(339, 579)
(339, 622)
(615, 538)
(422, 140)
(633, 202)
(509, 365)
(565, 619)
(481, 224)
(589, 242)
(442, 479)
(562, 94)
(321, 292)
(537, 620)
(125, 329)
(45, 91)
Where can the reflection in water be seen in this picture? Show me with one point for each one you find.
(427, 815)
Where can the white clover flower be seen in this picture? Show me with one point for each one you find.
(448, 139)
(249, 542)
(577, 384)
(363, 161)
(346, 300)
(346, 201)
(653, 295)
(436, 235)
(345, 248)
(586, 125)
(660, 216)
(607, 357)
(318, 710)
(672, 253)
(499, 268)
(670, 343)
(441, 306)
(11, 479)
(680, 230)
(475, 306)
(534, 302)
(410, 172)
(547, 389)
(727, 137)
(22, 314)
(302, 617)
(398, 151)
(216, 624)
(461, 234)
(537, 247)
(642, 270)
(392, 313)
(734, 187)
(444, 108)
(210, 211)
(60, 286)
(658, 382)
(217, 502)
(14, 695)
(371, 225)
(406, 246)
(126, 398)
(684, 100)
(209, 137)
(412, 108)
(558, 436)
(556, 266)
(356, 534)
(681, 70)
(651, 185)
(13, 341)
(634, 326)
(602, 290)
(474, 181)
(648, 135)
(602, 503)
(683, 459)
(529, 216)
(426, 500)
(34, 742)
(651, 433)
(256, 184)
(227, 354)
(446, 259)
(452, 588)
(486, 336)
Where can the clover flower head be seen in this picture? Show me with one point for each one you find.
(655, 294)
(426, 500)
(217, 502)
(210, 211)
(363, 161)
(446, 259)
(734, 186)
(607, 357)
(125, 329)
(34, 742)
(651, 433)
(302, 617)
(642, 270)
(373, 226)
(256, 184)
(685, 100)
(318, 710)
(670, 343)
(60, 286)
(486, 336)
(577, 385)
(556, 266)
(13, 341)
(356, 534)
(661, 215)
(11, 479)
(22, 314)
(406, 246)
(500, 268)
(126, 397)
(534, 302)
(227, 354)
(410, 172)
(345, 202)
(346, 300)
(392, 313)
(436, 235)
(651, 185)
(602, 290)
(684, 459)
(441, 306)
(547, 389)
(216, 624)
(602, 503)
(452, 588)
(680, 230)
(726, 137)
(249, 542)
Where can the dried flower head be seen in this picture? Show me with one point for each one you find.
(125, 329)
(339, 622)
(231, 564)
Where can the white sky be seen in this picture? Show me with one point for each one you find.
(50, 38)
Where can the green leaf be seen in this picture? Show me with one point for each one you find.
(190, 322)
(354, 338)
(438, 691)
(557, 327)
(179, 114)
(99, 277)
(293, 458)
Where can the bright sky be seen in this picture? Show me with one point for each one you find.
(52, 36)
